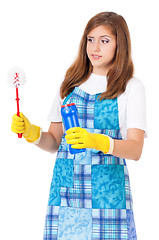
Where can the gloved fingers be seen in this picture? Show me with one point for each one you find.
(17, 122)
(17, 129)
(17, 119)
(74, 130)
(78, 146)
(74, 141)
(73, 136)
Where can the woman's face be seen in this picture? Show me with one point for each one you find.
(101, 46)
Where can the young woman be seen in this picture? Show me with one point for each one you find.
(90, 195)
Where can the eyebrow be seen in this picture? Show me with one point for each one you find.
(100, 36)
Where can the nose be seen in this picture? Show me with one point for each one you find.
(96, 47)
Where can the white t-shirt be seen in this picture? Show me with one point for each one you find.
(131, 103)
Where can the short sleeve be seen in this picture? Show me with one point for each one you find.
(136, 106)
(55, 111)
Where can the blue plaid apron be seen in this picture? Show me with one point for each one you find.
(90, 196)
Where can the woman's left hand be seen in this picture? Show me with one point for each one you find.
(81, 138)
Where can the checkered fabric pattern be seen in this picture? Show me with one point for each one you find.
(76, 200)
(102, 158)
(109, 224)
(63, 151)
(81, 194)
(51, 223)
(129, 201)
(82, 176)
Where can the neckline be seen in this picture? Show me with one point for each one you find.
(98, 76)
(79, 90)
(94, 77)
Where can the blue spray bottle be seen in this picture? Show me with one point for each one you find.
(69, 114)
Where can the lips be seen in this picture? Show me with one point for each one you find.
(96, 57)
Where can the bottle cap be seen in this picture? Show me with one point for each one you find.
(66, 105)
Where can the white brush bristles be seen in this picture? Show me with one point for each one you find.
(16, 76)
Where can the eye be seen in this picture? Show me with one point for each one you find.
(89, 39)
(105, 41)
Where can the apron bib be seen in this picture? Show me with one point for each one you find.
(90, 196)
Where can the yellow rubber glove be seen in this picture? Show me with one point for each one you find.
(81, 138)
(22, 125)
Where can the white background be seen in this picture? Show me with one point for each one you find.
(42, 37)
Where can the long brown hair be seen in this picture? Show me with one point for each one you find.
(122, 67)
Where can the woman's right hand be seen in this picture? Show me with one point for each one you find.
(22, 125)
(19, 125)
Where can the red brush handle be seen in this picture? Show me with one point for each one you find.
(18, 112)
